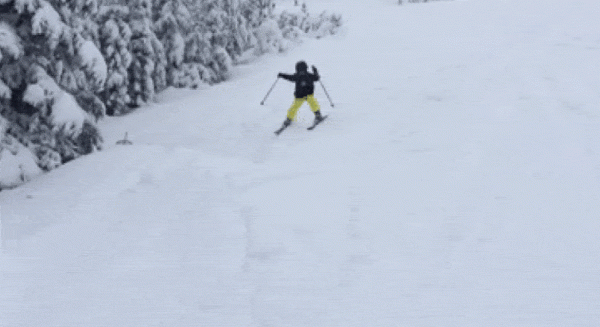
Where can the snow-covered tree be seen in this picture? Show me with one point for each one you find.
(244, 39)
(141, 85)
(80, 15)
(269, 38)
(147, 71)
(68, 53)
(233, 27)
(10, 50)
(54, 57)
(17, 163)
(297, 24)
(215, 37)
(60, 123)
(92, 62)
(159, 75)
(173, 21)
(258, 11)
(115, 36)
(10, 45)
(222, 62)
(197, 57)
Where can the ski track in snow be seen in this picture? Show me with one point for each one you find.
(455, 183)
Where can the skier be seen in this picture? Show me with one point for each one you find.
(305, 89)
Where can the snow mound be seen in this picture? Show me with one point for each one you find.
(18, 168)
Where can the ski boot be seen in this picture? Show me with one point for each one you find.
(286, 123)
(318, 117)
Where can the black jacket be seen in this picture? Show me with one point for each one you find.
(305, 82)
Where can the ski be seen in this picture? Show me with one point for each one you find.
(310, 128)
(317, 122)
(277, 132)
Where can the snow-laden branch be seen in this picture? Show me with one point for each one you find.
(9, 42)
(5, 92)
(93, 62)
(46, 21)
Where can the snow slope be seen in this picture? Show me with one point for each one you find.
(456, 183)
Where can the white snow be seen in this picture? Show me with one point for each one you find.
(455, 183)
(17, 168)
(34, 95)
(115, 79)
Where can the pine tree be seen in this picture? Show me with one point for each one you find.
(39, 106)
(115, 36)
(197, 57)
(173, 22)
(80, 15)
(77, 64)
(216, 21)
(235, 29)
(198, 50)
(159, 75)
(141, 83)
(10, 51)
(257, 12)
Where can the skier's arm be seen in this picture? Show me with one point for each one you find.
(315, 73)
(290, 78)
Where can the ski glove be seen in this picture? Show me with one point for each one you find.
(315, 70)
(280, 75)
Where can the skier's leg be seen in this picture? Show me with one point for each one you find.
(291, 114)
(314, 106)
(312, 102)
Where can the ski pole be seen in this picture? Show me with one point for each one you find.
(262, 103)
(327, 94)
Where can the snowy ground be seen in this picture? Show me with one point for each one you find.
(456, 183)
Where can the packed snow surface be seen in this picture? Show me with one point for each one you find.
(455, 183)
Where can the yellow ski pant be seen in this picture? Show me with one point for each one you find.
(312, 102)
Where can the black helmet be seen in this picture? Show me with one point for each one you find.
(301, 66)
